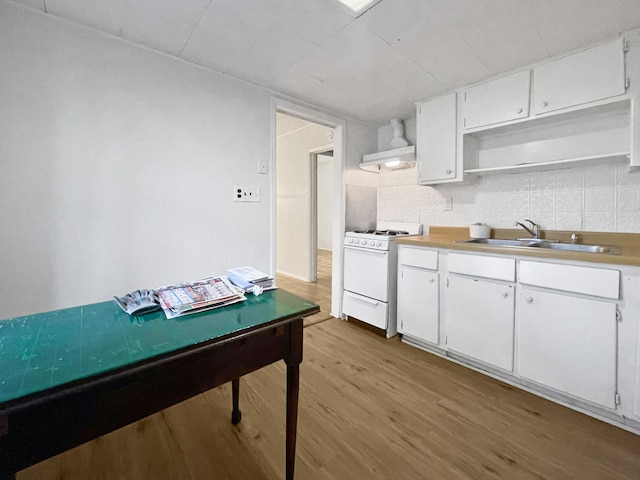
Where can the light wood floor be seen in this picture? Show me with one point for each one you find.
(318, 292)
(370, 408)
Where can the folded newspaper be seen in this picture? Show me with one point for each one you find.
(193, 297)
(250, 279)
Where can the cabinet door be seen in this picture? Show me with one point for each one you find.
(418, 297)
(583, 77)
(500, 100)
(436, 140)
(480, 318)
(568, 344)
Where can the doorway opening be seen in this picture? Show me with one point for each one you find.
(308, 205)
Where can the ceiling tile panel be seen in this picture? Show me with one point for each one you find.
(166, 27)
(445, 55)
(169, 27)
(37, 4)
(570, 24)
(373, 67)
(354, 53)
(104, 16)
(295, 82)
(229, 29)
(502, 34)
(314, 20)
(272, 52)
(628, 15)
(393, 20)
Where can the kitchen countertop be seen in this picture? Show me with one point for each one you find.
(445, 237)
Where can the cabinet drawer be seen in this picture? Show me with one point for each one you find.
(599, 282)
(365, 309)
(418, 257)
(497, 268)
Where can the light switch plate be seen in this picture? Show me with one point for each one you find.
(263, 166)
(244, 193)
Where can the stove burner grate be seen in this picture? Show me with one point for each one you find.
(387, 233)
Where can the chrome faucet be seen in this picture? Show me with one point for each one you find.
(534, 231)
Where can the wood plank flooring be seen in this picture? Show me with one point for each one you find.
(318, 292)
(370, 408)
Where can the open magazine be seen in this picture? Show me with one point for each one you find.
(193, 297)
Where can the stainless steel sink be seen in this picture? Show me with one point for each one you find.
(499, 242)
(541, 243)
(578, 247)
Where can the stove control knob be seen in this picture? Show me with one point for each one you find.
(372, 243)
(356, 241)
(378, 243)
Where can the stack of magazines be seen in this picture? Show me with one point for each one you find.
(193, 297)
(248, 278)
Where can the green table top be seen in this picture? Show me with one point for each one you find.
(42, 351)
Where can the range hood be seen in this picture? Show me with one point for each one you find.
(404, 157)
(399, 155)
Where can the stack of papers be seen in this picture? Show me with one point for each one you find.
(192, 297)
(248, 278)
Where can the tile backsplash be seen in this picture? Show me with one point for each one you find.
(603, 197)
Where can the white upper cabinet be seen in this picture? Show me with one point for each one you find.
(497, 101)
(436, 140)
(587, 76)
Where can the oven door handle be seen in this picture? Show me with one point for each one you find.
(367, 300)
(367, 250)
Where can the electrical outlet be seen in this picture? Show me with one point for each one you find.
(447, 205)
(243, 193)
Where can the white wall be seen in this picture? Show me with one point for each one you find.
(325, 201)
(294, 198)
(118, 165)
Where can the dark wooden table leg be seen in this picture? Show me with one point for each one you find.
(293, 389)
(236, 414)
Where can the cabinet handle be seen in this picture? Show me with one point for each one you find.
(519, 110)
(448, 172)
(528, 299)
(545, 104)
(505, 294)
(431, 280)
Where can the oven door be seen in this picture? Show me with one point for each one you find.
(366, 272)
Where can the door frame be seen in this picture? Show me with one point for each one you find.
(338, 209)
(313, 207)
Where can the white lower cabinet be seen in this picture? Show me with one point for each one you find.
(568, 330)
(569, 344)
(480, 319)
(419, 294)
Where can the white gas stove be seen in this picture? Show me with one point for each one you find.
(370, 266)
(376, 239)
